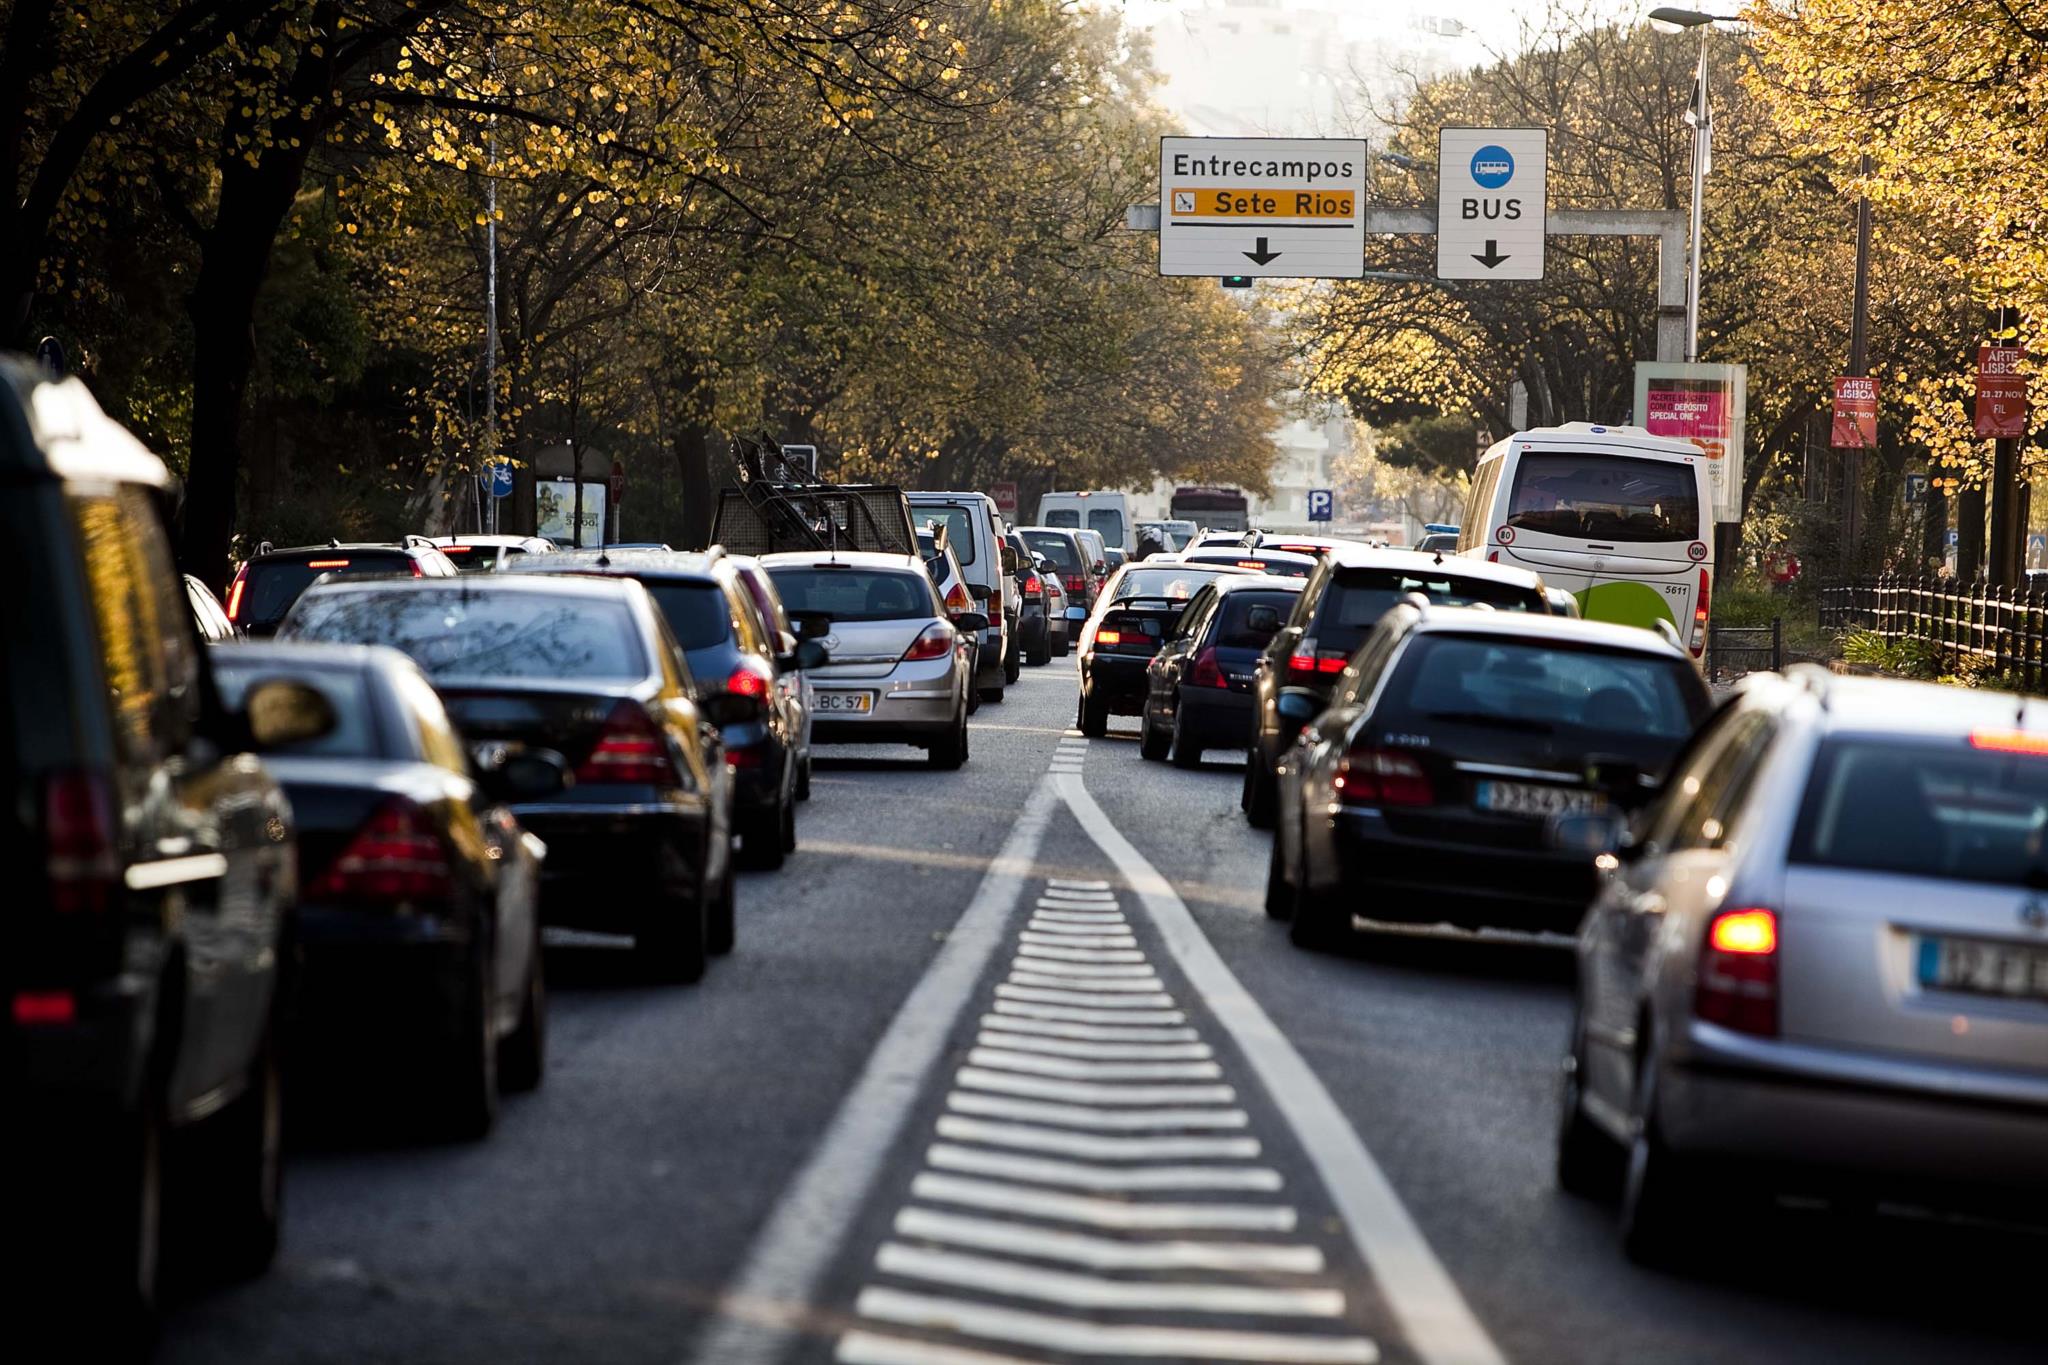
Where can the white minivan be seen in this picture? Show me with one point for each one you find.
(1106, 514)
(971, 521)
(1621, 519)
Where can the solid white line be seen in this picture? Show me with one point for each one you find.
(1434, 1317)
(1102, 1253)
(1045, 1170)
(1067, 1289)
(1065, 954)
(757, 1315)
(1106, 1120)
(1026, 1137)
(1099, 1032)
(870, 1348)
(1095, 1338)
(1070, 884)
(1051, 966)
(1130, 1052)
(1023, 1201)
(1122, 1094)
(1074, 1014)
(1116, 985)
(1076, 1069)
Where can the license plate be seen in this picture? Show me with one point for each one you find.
(1527, 798)
(841, 702)
(1983, 967)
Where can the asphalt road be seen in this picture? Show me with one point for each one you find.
(1009, 1065)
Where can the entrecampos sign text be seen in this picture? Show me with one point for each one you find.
(1308, 172)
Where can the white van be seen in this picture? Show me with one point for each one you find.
(1621, 519)
(971, 521)
(1107, 514)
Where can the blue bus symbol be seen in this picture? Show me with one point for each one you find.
(1492, 167)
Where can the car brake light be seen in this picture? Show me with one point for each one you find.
(747, 682)
(235, 592)
(1699, 615)
(1382, 777)
(1207, 671)
(1033, 584)
(45, 1007)
(1493, 556)
(1075, 583)
(327, 563)
(1737, 986)
(456, 549)
(396, 856)
(2009, 742)
(934, 642)
(631, 749)
(958, 599)
(1109, 637)
(78, 842)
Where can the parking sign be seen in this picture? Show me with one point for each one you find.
(1322, 504)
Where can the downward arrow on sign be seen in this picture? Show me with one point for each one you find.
(1262, 256)
(1491, 259)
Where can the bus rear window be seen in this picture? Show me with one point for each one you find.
(1610, 498)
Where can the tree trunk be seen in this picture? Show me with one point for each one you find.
(695, 444)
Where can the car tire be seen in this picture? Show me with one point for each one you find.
(95, 1295)
(803, 780)
(721, 925)
(1589, 1163)
(672, 946)
(947, 754)
(1013, 668)
(1094, 718)
(761, 846)
(1668, 1200)
(1262, 794)
(466, 1083)
(1063, 647)
(236, 1181)
(789, 825)
(1317, 927)
(1152, 745)
(1182, 753)
(1040, 654)
(523, 1053)
(1279, 895)
(992, 694)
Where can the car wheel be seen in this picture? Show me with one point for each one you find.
(1013, 669)
(789, 825)
(1184, 754)
(721, 926)
(1588, 1161)
(761, 846)
(467, 1083)
(523, 1055)
(237, 1172)
(1094, 717)
(1317, 925)
(973, 699)
(1262, 793)
(671, 945)
(1279, 895)
(1151, 743)
(1040, 654)
(992, 694)
(803, 780)
(104, 1305)
(1062, 647)
(1667, 1199)
(949, 753)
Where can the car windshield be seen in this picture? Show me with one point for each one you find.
(1056, 548)
(850, 594)
(1357, 598)
(697, 613)
(480, 634)
(1233, 629)
(959, 527)
(1605, 497)
(1600, 695)
(1938, 808)
(347, 690)
(1180, 580)
(272, 585)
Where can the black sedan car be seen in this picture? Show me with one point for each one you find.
(270, 580)
(1423, 793)
(415, 888)
(1134, 614)
(583, 669)
(1199, 685)
(1345, 595)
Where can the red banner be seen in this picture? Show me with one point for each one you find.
(1005, 495)
(1855, 413)
(2001, 392)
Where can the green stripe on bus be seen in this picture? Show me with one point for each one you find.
(1625, 603)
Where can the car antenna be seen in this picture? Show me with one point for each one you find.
(333, 544)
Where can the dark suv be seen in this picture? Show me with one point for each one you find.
(271, 580)
(150, 873)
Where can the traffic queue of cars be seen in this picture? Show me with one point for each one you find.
(1810, 916)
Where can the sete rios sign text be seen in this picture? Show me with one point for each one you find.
(1262, 207)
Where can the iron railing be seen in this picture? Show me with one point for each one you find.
(2003, 629)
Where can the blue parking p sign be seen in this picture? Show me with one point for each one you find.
(1322, 504)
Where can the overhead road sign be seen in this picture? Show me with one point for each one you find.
(1262, 207)
(1491, 203)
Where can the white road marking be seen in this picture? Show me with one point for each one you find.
(1078, 1015)
(1102, 1253)
(1079, 900)
(1069, 884)
(1043, 996)
(872, 1348)
(1018, 1280)
(1080, 916)
(1045, 1170)
(1064, 1047)
(1027, 1137)
(1072, 930)
(1053, 966)
(1099, 1032)
(1095, 1338)
(1115, 985)
(1065, 954)
(1005, 1060)
(1434, 1317)
(767, 1300)
(1124, 1094)
(1023, 1201)
(1068, 939)
(1080, 1116)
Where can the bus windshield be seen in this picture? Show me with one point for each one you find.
(1609, 498)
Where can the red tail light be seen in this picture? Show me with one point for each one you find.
(45, 1007)
(1737, 986)
(1034, 585)
(1699, 614)
(934, 642)
(748, 681)
(958, 598)
(752, 758)
(235, 592)
(397, 856)
(1075, 583)
(1383, 777)
(1109, 637)
(78, 843)
(630, 750)
(1207, 672)
(1308, 661)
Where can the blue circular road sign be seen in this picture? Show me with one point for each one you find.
(1492, 167)
(501, 480)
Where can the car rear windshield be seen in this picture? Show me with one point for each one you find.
(1056, 548)
(273, 585)
(476, 633)
(1233, 630)
(1180, 580)
(957, 521)
(1939, 809)
(1064, 519)
(1596, 695)
(697, 613)
(849, 594)
(480, 558)
(1108, 523)
(1356, 599)
(1279, 568)
(354, 734)
(1610, 498)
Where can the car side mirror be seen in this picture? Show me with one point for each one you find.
(1009, 559)
(968, 622)
(513, 775)
(810, 654)
(1101, 569)
(1040, 562)
(1298, 705)
(980, 592)
(1264, 620)
(281, 712)
(731, 708)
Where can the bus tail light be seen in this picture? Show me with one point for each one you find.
(1699, 614)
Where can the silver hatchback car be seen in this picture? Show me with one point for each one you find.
(899, 671)
(1819, 965)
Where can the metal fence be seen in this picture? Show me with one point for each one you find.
(2006, 629)
(1735, 650)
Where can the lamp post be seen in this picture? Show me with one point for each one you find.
(1700, 116)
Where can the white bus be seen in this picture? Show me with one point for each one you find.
(1621, 519)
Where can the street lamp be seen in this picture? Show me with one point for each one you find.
(1669, 20)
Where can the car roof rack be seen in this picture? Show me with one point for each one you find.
(780, 506)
